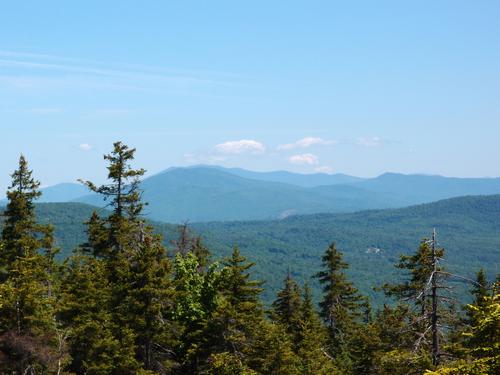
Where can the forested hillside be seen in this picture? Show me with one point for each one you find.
(468, 227)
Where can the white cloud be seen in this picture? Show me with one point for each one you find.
(370, 141)
(240, 147)
(85, 147)
(304, 159)
(324, 169)
(306, 142)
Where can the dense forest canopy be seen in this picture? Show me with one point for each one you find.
(122, 303)
(468, 227)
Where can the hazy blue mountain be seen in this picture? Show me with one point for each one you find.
(299, 179)
(204, 193)
(417, 188)
(207, 194)
(62, 192)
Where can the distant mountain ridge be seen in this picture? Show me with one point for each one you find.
(211, 193)
(420, 188)
(208, 194)
(298, 179)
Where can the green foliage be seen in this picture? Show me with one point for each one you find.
(196, 291)
(88, 321)
(135, 270)
(482, 341)
(29, 335)
(312, 342)
(341, 303)
(287, 308)
(273, 352)
(419, 267)
(484, 336)
(403, 362)
(227, 364)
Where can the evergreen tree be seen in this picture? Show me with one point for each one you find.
(237, 287)
(480, 290)
(235, 324)
(85, 310)
(340, 306)
(28, 329)
(424, 288)
(136, 264)
(109, 236)
(311, 346)
(286, 309)
(148, 300)
(273, 351)
(482, 340)
(19, 232)
(420, 268)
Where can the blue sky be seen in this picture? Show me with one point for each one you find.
(359, 87)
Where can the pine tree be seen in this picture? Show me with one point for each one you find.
(479, 291)
(340, 306)
(484, 336)
(28, 329)
(311, 346)
(425, 289)
(480, 288)
(482, 341)
(237, 287)
(420, 269)
(286, 309)
(235, 325)
(85, 311)
(148, 300)
(108, 237)
(20, 227)
(273, 352)
(137, 268)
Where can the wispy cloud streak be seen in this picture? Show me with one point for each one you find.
(28, 69)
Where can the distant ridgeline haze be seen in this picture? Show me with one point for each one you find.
(207, 193)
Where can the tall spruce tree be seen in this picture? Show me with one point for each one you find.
(286, 309)
(86, 296)
(341, 302)
(28, 329)
(481, 288)
(419, 269)
(425, 290)
(137, 268)
(237, 324)
(312, 342)
(20, 227)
